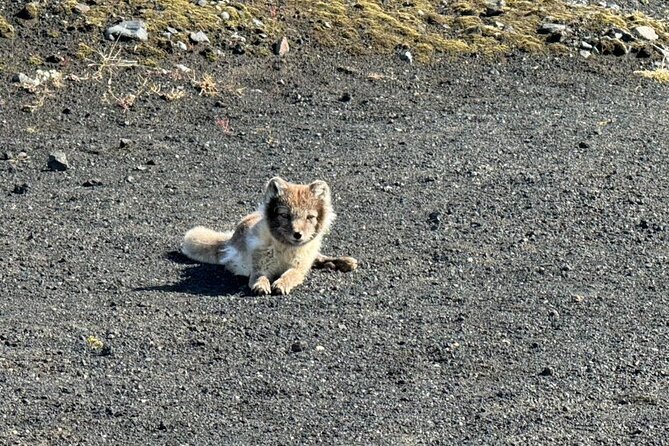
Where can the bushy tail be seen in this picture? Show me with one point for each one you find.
(204, 245)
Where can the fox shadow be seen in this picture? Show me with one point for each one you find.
(202, 279)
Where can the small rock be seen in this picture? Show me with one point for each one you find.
(199, 37)
(645, 32)
(552, 28)
(23, 79)
(585, 45)
(21, 189)
(435, 220)
(320, 348)
(93, 182)
(55, 58)
(547, 371)
(183, 68)
(225, 16)
(81, 8)
(171, 30)
(298, 346)
(281, 47)
(129, 29)
(30, 11)
(406, 56)
(125, 142)
(130, 179)
(182, 46)
(202, 2)
(345, 97)
(57, 161)
(494, 8)
(258, 24)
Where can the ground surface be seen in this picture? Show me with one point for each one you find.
(511, 221)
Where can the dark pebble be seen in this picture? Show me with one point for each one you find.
(92, 183)
(547, 371)
(21, 189)
(298, 347)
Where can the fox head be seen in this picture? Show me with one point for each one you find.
(296, 213)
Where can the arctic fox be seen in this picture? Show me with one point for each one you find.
(277, 245)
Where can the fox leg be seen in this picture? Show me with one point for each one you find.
(343, 264)
(258, 279)
(288, 280)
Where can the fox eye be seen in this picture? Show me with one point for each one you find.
(311, 217)
(284, 215)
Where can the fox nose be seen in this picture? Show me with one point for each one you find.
(297, 235)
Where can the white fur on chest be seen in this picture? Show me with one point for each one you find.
(273, 258)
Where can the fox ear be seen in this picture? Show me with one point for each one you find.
(274, 188)
(320, 189)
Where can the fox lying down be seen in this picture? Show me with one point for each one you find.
(277, 245)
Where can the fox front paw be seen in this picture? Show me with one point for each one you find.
(282, 287)
(261, 286)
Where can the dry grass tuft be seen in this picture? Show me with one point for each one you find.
(659, 75)
(207, 86)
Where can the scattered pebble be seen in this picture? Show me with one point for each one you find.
(225, 16)
(435, 220)
(281, 47)
(646, 33)
(129, 29)
(57, 161)
(298, 346)
(23, 79)
(494, 8)
(406, 56)
(21, 189)
(199, 37)
(55, 58)
(320, 348)
(130, 179)
(124, 142)
(93, 182)
(547, 371)
(551, 28)
(182, 46)
(81, 8)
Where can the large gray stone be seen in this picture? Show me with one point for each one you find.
(129, 29)
(646, 33)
